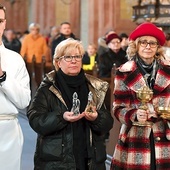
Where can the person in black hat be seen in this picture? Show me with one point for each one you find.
(115, 54)
(102, 46)
(144, 139)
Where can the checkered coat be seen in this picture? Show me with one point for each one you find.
(132, 151)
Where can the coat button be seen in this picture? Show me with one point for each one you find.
(157, 139)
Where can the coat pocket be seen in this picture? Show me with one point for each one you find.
(51, 149)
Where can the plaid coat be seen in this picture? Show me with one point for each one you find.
(133, 149)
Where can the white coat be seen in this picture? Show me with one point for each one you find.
(14, 95)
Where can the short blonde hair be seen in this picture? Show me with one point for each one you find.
(133, 47)
(65, 48)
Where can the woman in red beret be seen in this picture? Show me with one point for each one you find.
(144, 139)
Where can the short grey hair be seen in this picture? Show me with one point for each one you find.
(34, 25)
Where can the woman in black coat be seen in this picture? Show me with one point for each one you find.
(70, 138)
(114, 55)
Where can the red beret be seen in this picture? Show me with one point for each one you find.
(148, 29)
(111, 37)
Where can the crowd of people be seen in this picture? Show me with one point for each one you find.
(68, 110)
(111, 48)
(33, 43)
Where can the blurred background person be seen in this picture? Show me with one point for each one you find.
(11, 41)
(26, 32)
(124, 42)
(34, 44)
(166, 46)
(114, 55)
(90, 57)
(102, 46)
(18, 34)
(65, 32)
(54, 33)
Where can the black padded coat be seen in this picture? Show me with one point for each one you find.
(54, 149)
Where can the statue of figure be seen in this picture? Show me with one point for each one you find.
(76, 104)
(89, 104)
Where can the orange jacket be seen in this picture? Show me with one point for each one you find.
(34, 46)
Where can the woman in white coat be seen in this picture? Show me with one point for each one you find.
(14, 95)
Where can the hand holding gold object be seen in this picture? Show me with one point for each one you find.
(144, 95)
(89, 107)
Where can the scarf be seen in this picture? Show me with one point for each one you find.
(68, 85)
(148, 71)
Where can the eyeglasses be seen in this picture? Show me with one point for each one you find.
(2, 20)
(152, 44)
(70, 58)
(115, 42)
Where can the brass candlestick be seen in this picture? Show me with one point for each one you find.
(144, 94)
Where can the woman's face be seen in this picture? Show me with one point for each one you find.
(147, 48)
(91, 50)
(72, 67)
(115, 45)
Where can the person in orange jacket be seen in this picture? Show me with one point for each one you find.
(34, 44)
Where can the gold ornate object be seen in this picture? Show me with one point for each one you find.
(164, 112)
(144, 95)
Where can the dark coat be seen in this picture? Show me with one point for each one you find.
(133, 150)
(54, 149)
(14, 45)
(60, 38)
(107, 60)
